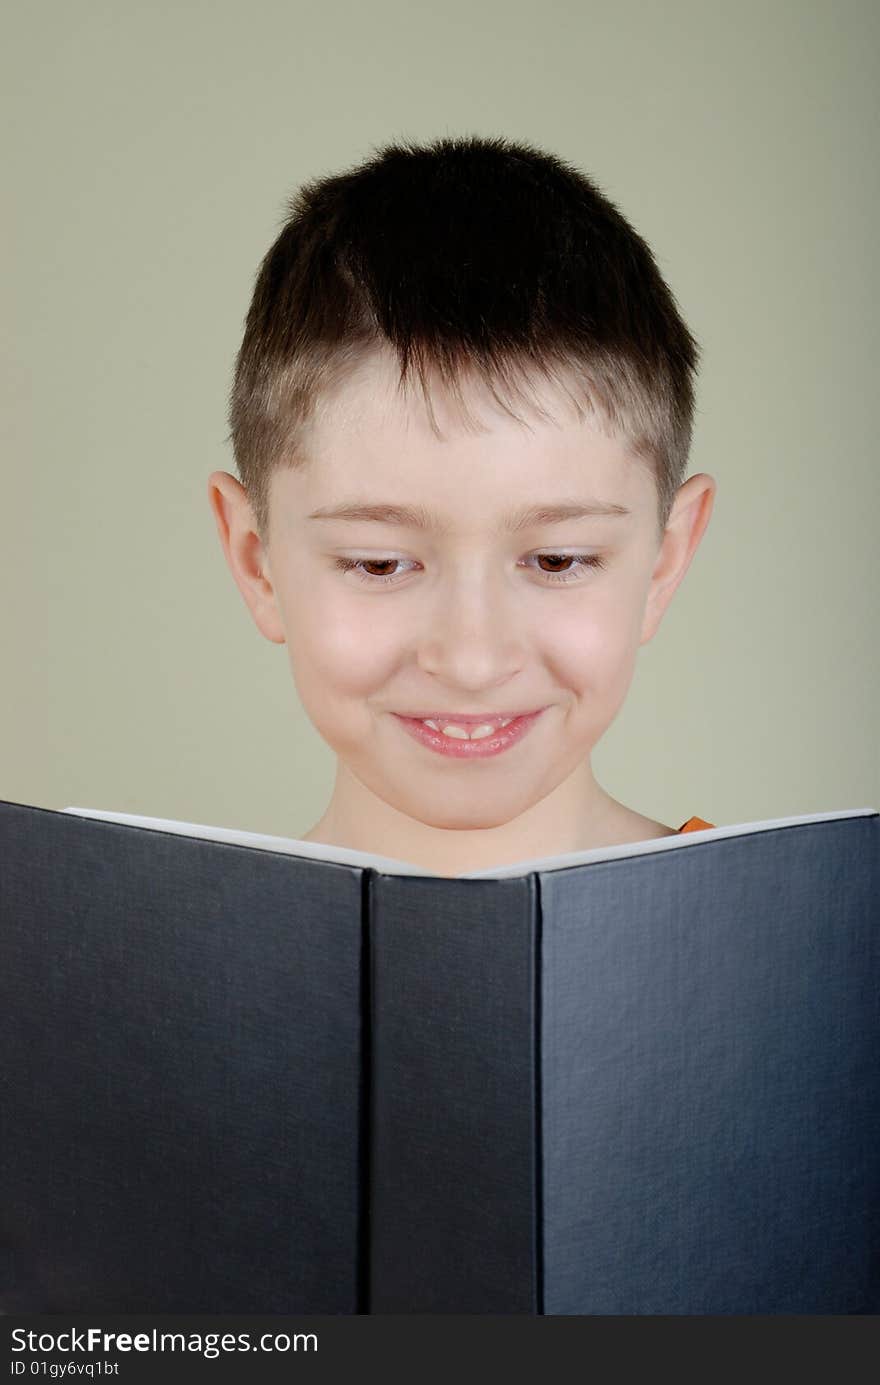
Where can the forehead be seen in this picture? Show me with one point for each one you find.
(373, 440)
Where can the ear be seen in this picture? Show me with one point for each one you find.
(247, 559)
(688, 519)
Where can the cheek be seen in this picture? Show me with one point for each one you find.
(592, 649)
(334, 651)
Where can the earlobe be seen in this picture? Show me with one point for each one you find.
(653, 615)
(244, 553)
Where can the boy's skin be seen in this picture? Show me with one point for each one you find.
(471, 622)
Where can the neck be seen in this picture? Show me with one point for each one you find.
(576, 816)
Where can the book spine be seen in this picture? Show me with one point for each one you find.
(454, 1159)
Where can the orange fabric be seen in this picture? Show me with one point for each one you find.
(695, 825)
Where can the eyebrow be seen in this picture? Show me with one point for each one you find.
(416, 517)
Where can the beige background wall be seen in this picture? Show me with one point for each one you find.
(148, 152)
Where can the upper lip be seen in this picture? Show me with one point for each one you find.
(468, 718)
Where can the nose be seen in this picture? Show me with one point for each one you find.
(472, 637)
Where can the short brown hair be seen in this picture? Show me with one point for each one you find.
(470, 257)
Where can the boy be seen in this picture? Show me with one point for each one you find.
(463, 571)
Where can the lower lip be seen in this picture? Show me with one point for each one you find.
(470, 750)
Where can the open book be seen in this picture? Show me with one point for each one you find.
(258, 1075)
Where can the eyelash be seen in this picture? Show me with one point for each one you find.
(583, 560)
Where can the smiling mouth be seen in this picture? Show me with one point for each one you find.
(477, 739)
(467, 718)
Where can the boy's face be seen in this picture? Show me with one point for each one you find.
(477, 617)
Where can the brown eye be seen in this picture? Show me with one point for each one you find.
(359, 567)
(579, 562)
(556, 558)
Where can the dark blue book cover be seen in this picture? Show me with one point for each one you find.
(250, 1074)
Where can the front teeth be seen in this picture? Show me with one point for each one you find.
(475, 734)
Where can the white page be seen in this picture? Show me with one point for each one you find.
(291, 846)
(317, 851)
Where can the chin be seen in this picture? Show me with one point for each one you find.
(468, 820)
